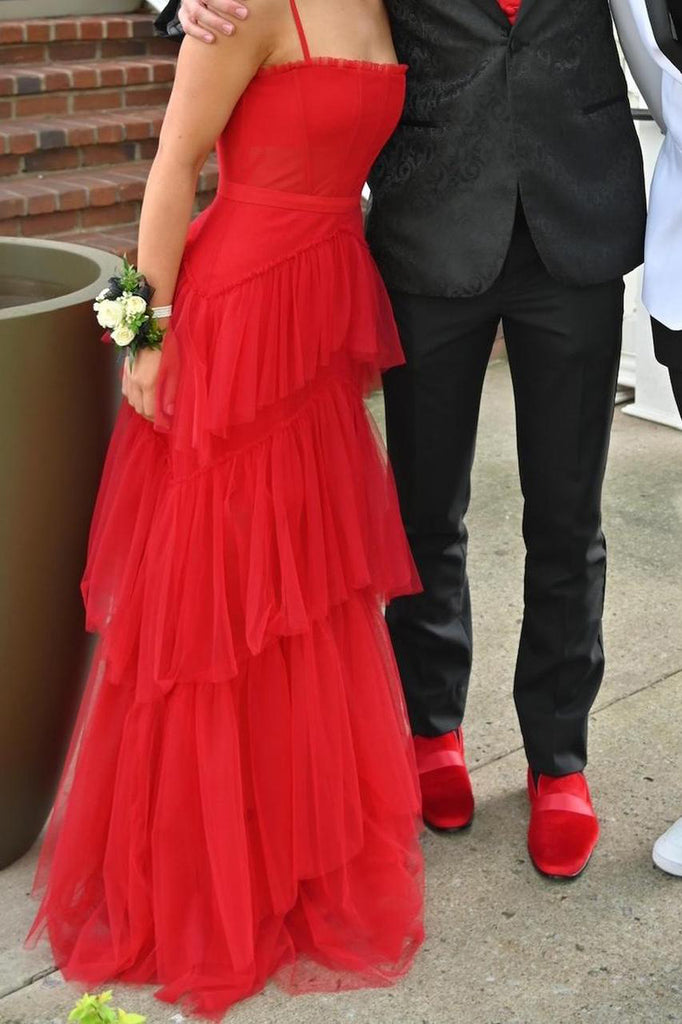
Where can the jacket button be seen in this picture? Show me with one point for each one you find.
(515, 45)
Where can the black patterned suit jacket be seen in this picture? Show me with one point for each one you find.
(540, 109)
(168, 22)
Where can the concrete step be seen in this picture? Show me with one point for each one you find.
(62, 88)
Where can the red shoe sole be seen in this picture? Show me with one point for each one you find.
(440, 831)
(561, 878)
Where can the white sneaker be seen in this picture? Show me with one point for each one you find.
(668, 850)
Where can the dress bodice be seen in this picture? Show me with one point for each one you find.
(314, 126)
(293, 158)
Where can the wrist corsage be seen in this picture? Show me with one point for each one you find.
(123, 309)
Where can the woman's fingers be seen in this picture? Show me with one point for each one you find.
(204, 20)
(142, 397)
(148, 402)
(141, 382)
(134, 396)
(125, 379)
(131, 389)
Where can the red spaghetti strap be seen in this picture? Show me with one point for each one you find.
(300, 30)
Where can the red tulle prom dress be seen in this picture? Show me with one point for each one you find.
(240, 798)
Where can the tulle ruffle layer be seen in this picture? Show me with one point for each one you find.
(234, 351)
(189, 576)
(210, 838)
(240, 799)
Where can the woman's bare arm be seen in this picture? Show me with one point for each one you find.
(209, 82)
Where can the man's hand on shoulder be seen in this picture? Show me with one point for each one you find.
(205, 20)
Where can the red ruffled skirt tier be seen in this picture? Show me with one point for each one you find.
(240, 799)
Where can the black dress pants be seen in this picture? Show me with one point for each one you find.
(668, 348)
(563, 345)
(676, 381)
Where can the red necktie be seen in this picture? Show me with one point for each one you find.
(510, 8)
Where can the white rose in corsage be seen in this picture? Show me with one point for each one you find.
(122, 335)
(123, 309)
(109, 313)
(134, 305)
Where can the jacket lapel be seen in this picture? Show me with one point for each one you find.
(524, 10)
(492, 8)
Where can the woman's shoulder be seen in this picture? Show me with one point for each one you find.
(259, 34)
(264, 13)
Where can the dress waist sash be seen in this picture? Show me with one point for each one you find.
(288, 200)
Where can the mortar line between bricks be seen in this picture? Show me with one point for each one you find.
(9, 990)
(593, 714)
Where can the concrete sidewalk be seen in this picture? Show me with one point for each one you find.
(506, 946)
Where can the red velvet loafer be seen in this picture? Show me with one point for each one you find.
(447, 796)
(563, 830)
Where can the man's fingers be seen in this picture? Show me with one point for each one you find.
(233, 9)
(191, 27)
(204, 22)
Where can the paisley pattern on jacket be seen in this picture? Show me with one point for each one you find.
(492, 111)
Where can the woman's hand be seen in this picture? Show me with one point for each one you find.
(139, 382)
(202, 20)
